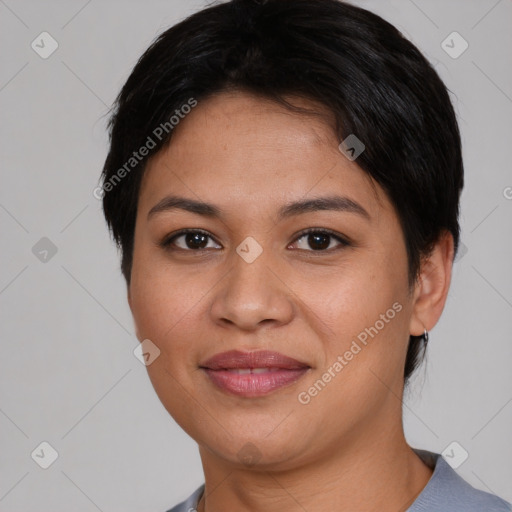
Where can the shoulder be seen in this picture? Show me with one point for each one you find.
(446, 491)
(190, 504)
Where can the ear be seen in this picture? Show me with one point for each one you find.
(431, 288)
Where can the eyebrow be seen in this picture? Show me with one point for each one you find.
(335, 203)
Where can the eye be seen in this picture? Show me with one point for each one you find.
(320, 240)
(189, 240)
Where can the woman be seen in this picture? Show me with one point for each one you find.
(283, 182)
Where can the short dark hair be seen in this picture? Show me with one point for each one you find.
(376, 84)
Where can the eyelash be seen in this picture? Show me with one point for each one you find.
(166, 243)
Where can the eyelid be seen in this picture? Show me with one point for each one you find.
(344, 241)
(167, 240)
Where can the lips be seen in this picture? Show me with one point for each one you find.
(236, 359)
(252, 374)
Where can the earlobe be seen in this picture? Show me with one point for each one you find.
(431, 289)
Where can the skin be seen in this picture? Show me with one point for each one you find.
(249, 157)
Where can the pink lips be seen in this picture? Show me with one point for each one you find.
(252, 374)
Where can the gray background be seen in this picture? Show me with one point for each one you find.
(68, 373)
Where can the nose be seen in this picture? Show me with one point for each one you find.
(253, 295)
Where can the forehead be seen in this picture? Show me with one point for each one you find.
(247, 153)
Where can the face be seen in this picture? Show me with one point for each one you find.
(248, 278)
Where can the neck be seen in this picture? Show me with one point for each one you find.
(371, 472)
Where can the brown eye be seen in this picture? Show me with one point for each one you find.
(190, 240)
(320, 240)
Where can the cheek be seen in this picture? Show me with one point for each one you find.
(363, 311)
(364, 347)
(154, 307)
(172, 321)
(160, 297)
(352, 298)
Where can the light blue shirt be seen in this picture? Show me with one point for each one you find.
(446, 491)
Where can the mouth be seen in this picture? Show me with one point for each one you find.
(253, 374)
